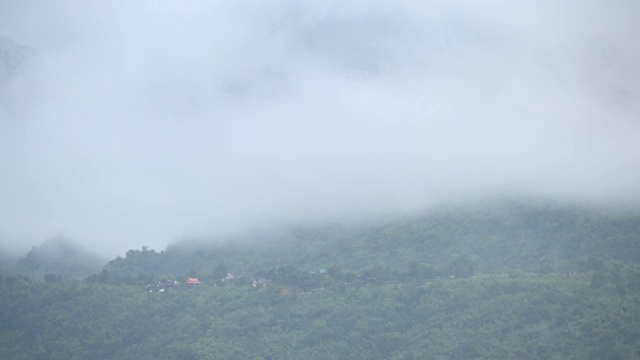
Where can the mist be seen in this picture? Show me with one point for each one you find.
(144, 122)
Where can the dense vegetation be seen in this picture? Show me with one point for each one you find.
(538, 317)
(500, 237)
(509, 280)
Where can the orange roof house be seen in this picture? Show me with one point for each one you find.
(193, 281)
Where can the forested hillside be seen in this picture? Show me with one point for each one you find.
(505, 280)
(319, 180)
(545, 317)
(497, 237)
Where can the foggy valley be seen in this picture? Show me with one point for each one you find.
(335, 179)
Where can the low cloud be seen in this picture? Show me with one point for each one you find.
(142, 123)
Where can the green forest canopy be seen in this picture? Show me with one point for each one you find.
(508, 280)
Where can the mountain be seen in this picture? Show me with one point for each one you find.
(500, 280)
(61, 257)
(495, 237)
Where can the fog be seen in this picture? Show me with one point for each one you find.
(139, 123)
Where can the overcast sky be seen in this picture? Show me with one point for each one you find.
(146, 121)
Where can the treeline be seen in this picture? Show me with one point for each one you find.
(499, 237)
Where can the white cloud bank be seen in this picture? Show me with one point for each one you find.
(146, 121)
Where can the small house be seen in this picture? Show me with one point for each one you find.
(193, 281)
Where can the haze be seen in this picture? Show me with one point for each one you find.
(143, 122)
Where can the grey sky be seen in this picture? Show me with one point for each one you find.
(150, 120)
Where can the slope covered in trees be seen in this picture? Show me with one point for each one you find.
(499, 237)
(508, 280)
(546, 317)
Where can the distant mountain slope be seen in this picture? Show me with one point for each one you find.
(58, 256)
(362, 307)
(495, 237)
